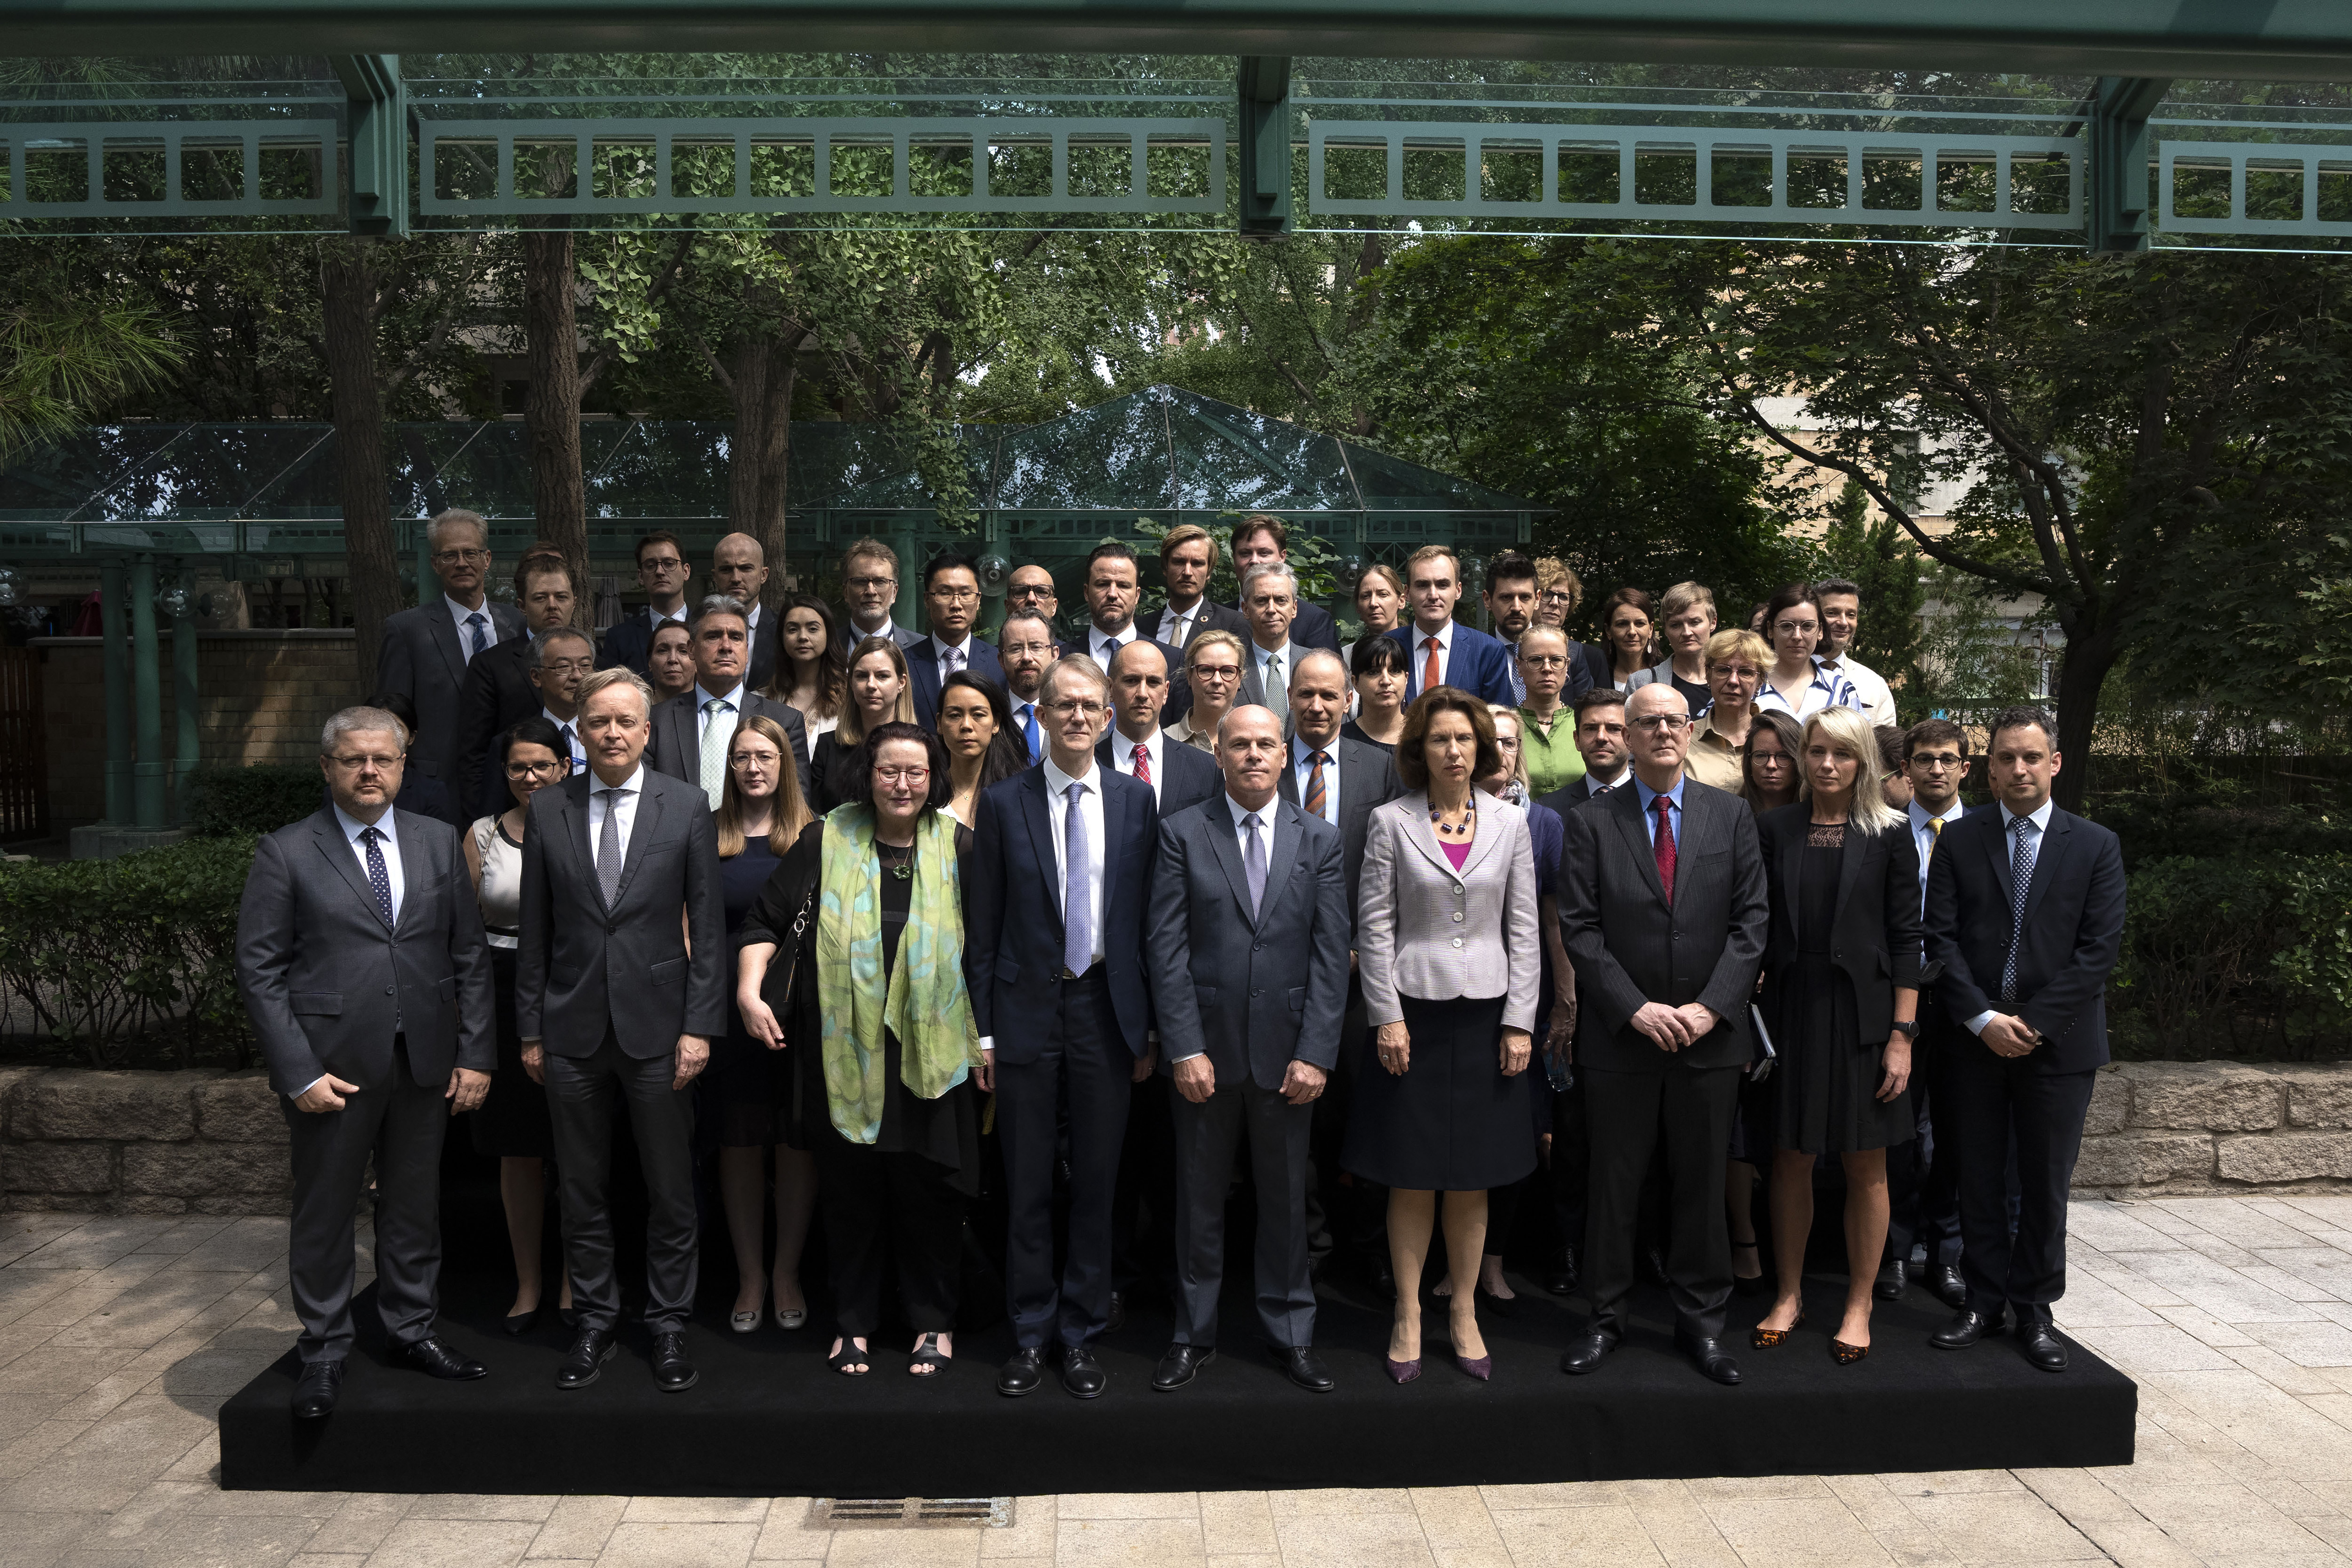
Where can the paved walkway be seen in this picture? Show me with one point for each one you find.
(120, 1339)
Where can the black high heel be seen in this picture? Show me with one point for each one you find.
(521, 1322)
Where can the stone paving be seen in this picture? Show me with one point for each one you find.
(119, 1338)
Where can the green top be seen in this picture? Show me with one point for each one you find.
(1553, 761)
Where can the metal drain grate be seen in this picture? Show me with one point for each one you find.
(853, 1512)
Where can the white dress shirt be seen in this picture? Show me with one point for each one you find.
(1300, 767)
(1176, 625)
(599, 801)
(1103, 644)
(570, 730)
(1444, 637)
(1057, 808)
(2041, 820)
(734, 700)
(389, 846)
(1593, 783)
(858, 634)
(941, 648)
(1122, 756)
(1872, 694)
(1923, 838)
(458, 613)
(1262, 656)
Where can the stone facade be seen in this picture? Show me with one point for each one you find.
(2162, 1128)
(200, 1141)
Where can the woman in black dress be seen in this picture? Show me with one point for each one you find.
(866, 1000)
(1767, 781)
(760, 808)
(1382, 670)
(1842, 997)
(880, 692)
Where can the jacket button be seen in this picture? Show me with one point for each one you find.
(1257, 992)
(1457, 942)
(1257, 947)
(387, 989)
(1457, 890)
(1457, 917)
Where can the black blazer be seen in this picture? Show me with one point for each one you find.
(1213, 617)
(1013, 912)
(2073, 930)
(674, 746)
(497, 693)
(923, 676)
(1568, 797)
(1875, 934)
(1368, 777)
(1630, 946)
(629, 642)
(421, 658)
(1190, 775)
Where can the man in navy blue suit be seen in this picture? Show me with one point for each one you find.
(2025, 912)
(951, 600)
(1444, 653)
(1261, 540)
(1113, 588)
(663, 573)
(1054, 890)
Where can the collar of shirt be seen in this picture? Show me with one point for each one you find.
(703, 694)
(2040, 817)
(1594, 780)
(1103, 644)
(1122, 751)
(635, 780)
(353, 826)
(571, 724)
(750, 622)
(1421, 639)
(1649, 794)
(1265, 814)
(1301, 749)
(858, 634)
(489, 621)
(1058, 783)
(1921, 816)
(941, 648)
(1265, 655)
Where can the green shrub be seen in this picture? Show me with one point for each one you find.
(2236, 955)
(103, 952)
(227, 802)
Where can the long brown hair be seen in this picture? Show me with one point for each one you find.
(852, 728)
(791, 812)
(832, 673)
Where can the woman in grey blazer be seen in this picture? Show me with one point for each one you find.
(1446, 944)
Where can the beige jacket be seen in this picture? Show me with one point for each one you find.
(1424, 931)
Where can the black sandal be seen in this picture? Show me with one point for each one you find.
(849, 1355)
(927, 1354)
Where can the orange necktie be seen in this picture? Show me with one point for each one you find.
(1429, 672)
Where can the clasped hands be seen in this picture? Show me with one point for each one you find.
(2008, 1035)
(1672, 1028)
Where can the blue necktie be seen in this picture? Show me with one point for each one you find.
(1029, 729)
(2020, 880)
(477, 637)
(1077, 906)
(379, 878)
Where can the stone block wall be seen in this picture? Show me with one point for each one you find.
(2159, 1128)
(199, 1142)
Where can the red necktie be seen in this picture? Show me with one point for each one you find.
(1664, 845)
(1430, 675)
(1314, 796)
(1142, 764)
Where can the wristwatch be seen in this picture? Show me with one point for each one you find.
(1908, 1027)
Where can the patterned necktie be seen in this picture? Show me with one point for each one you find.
(476, 636)
(1518, 682)
(1430, 674)
(608, 847)
(951, 661)
(1317, 801)
(379, 878)
(716, 734)
(2021, 879)
(1277, 689)
(1029, 729)
(1077, 906)
(1665, 846)
(1602, 789)
(1253, 862)
(1142, 763)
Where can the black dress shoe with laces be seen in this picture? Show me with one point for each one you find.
(1180, 1365)
(1304, 1367)
(1022, 1372)
(2042, 1347)
(586, 1358)
(1888, 1287)
(434, 1359)
(1710, 1358)
(1964, 1330)
(316, 1391)
(1585, 1353)
(1561, 1276)
(673, 1372)
(1082, 1375)
(1945, 1280)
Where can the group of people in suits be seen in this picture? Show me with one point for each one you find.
(1164, 891)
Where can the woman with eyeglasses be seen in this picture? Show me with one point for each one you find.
(1546, 724)
(1381, 670)
(1768, 773)
(1797, 685)
(669, 662)
(852, 965)
(512, 1125)
(1213, 664)
(1380, 600)
(811, 675)
(880, 692)
(1736, 661)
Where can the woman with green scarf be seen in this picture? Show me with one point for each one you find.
(867, 992)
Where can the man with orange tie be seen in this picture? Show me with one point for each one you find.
(1444, 653)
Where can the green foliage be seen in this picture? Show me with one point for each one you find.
(1878, 558)
(1967, 659)
(1309, 556)
(2236, 957)
(66, 358)
(100, 953)
(227, 802)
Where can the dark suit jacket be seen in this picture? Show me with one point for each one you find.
(676, 745)
(498, 693)
(328, 987)
(849, 636)
(1012, 911)
(584, 971)
(422, 659)
(1476, 663)
(2073, 930)
(923, 672)
(629, 644)
(1568, 797)
(1368, 777)
(1875, 933)
(1179, 700)
(1252, 991)
(1189, 776)
(1214, 616)
(1630, 946)
(759, 670)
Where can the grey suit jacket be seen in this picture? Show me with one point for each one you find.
(676, 745)
(1251, 990)
(1424, 930)
(1629, 945)
(422, 659)
(1367, 778)
(1253, 688)
(328, 987)
(584, 971)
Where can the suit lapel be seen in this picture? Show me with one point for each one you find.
(641, 833)
(1041, 832)
(444, 633)
(1849, 858)
(575, 825)
(1424, 834)
(1115, 831)
(415, 871)
(1637, 836)
(1482, 846)
(1996, 845)
(2045, 863)
(337, 851)
(1218, 823)
(1283, 849)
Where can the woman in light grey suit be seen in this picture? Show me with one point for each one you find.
(1446, 944)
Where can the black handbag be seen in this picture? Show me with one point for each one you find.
(782, 1005)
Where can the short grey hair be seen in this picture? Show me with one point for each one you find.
(1080, 664)
(541, 641)
(619, 675)
(456, 517)
(1269, 569)
(358, 721)
(720, 604)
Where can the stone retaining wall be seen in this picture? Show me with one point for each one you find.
(200, 1141)
(2213, 1127)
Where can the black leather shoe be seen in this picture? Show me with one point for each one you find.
(1117, 1318)
(1180, 1365)
(1304, 1367)
(673, 1373)
(316, 1391)
(1561, 1276)
(1022, 1372)
(1945, 1280)
(434, 1359)
(1964, 1330)
(2042, 1347)
(1891, 1280)
(586, 1358)
(1082, 1375)
(1585, 1353)
(1710, 1358)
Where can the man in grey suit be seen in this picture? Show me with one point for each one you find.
(616, 998)
(1247, 948)
(720, 700)
(1270, 600)
(425, 650)
(1663, 983)
(362, 963)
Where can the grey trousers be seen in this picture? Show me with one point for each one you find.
(1205, 1134)
(400, 1124)
(581, 1095)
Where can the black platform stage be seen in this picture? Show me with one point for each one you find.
(770, 1419)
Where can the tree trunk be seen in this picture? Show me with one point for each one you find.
(552, 414)
(766, 371)
(2091, 652)
(349, 291)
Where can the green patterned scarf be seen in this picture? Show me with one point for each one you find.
(923, 1002)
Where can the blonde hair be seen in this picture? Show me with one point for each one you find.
(1848, 732)
(1738, 642)
(1683, 596)
(1183, 533)
(1552, 573)
(852, 728)
(1432, 552)
(1206, 640)
(1520, 727)
(791, 812)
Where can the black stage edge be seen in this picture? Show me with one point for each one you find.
(770, 1419)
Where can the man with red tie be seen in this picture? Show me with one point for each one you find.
(1135, 745)
(1445, 653)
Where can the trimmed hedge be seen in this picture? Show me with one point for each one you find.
(102, 954)
(2236, 956)
(224, 802)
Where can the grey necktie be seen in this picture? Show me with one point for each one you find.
(952, 660)
(1278, 689)
(715, 737)
(608, 847)
(1077, 906)
(1253, 862)
(2020, 880)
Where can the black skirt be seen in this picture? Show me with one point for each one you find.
(512, 1122)
(1452, 1121)
(1825, 1085)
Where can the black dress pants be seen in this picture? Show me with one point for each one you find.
(1628, 1115)
(889, 1204)
(1996, 1104)
(582, 1094)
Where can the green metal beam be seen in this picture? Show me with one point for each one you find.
(378, 166)
(2118, 130)
(2269, 40)
(1265, 134)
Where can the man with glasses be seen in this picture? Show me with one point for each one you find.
(1544, 670)
(425, 650)
(1923, 1175)
(952, 604)
(1736, 664)
(1031, 588)
(1025, 647)
(693, 732)
(1212, 678)
(1054, 895)
(497, 688)
(559, 661)
(662, 572)
(869, 593)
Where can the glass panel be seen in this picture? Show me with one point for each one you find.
(2274, 189)
(1816, 177)
(491, 474)
(1891, 181)
(1433, 170)
(1665, 177)
(2041, 184)
(1392, 484)
(1510, 172)
(1229, 459)
(214, 473)
(1740, 176)
(1113, 455)
(52, 482)
(666, 469)
(212, 172)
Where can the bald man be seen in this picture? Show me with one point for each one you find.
(738, 569)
